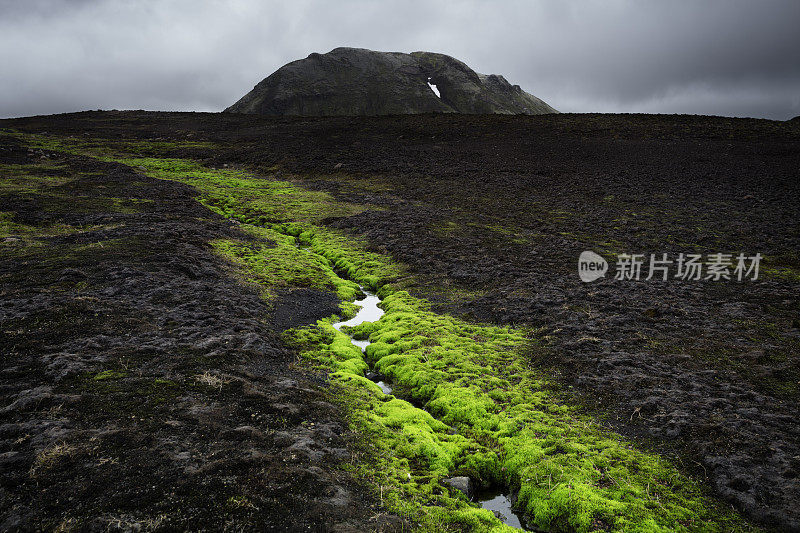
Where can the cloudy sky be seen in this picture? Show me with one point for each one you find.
(723, 57)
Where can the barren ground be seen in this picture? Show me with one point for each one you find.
(214, 424)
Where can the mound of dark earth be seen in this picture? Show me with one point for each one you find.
(356, 81)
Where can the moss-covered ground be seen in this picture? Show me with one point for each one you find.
(467, 401)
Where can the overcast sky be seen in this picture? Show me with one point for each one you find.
(723, 57)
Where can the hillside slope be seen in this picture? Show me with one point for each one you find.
(143, 252)
(356, 81)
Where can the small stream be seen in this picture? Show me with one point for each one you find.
(495, 501)
(369, 312)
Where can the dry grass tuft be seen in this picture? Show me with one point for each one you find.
(212, 380)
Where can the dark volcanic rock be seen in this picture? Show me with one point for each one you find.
(301, 307)
(490, 214)
(356, 81)
(141, 387)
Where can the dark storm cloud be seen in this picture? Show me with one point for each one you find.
(739, 58)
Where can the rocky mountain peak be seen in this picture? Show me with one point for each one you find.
(357, 81)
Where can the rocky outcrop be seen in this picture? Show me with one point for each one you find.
(356, 81)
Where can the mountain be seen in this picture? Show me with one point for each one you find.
(356, 81)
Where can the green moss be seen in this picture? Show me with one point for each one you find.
(237, 194)
(489, 416)
(486, 414)
(785, 267)
(469, 404)
(445, 228)
(26, 179)
(100, 147)
(161, 391)
(39, 182)
(10, 228)
(109, 375)
(239, 503)
(284, 265)
(129, 205)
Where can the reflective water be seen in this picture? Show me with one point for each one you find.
(361, 344)
(369, 312)
(497, 502)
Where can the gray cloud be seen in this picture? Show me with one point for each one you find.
(727, 57)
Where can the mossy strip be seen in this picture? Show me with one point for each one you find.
(472, 405)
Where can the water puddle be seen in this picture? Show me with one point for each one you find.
(369, 312)
(500, 504)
